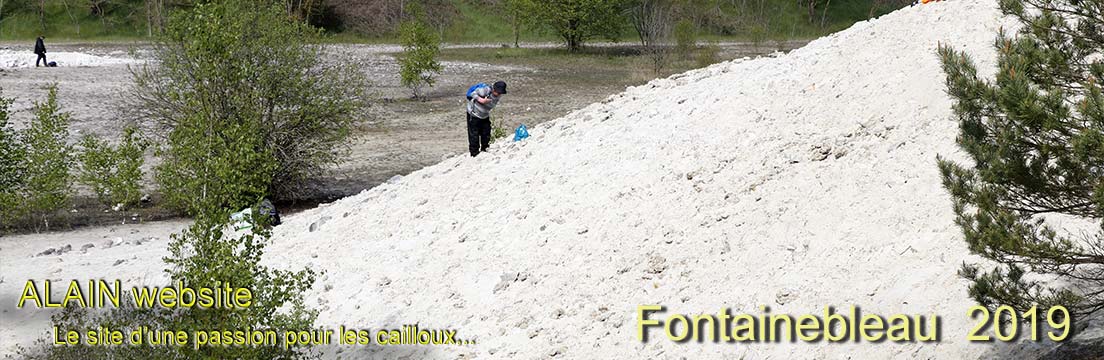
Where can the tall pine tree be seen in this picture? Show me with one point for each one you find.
(1036, 135)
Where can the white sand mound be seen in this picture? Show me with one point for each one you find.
(796, 182)
(11, 59)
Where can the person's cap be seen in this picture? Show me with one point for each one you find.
(500, 87)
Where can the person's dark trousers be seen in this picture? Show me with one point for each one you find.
(42, 58)
(479, 134)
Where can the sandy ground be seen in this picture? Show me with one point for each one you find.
(796, 181)
(398, 136)
(131, 253)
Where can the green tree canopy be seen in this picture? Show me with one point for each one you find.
(244, 103)
(576, 21)
(1036, 136)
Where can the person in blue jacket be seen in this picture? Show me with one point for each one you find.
(482, 101)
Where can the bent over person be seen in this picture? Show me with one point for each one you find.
(483, 99)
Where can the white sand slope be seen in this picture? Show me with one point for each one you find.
(797, 182)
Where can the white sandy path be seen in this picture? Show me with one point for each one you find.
(11, 59)
(809, 177)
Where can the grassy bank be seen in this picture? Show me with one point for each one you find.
(474, 22)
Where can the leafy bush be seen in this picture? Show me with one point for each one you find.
(686, 38)
(1035, 134)
(707, 55)
(498, 130)
(113, 172)
(12, 167)
(204, 255)
(244, 105)
(421, 45)
(47, 184)
(577, 21)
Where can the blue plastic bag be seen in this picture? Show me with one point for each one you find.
(521, 133)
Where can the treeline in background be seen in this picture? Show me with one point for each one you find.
(457, 21)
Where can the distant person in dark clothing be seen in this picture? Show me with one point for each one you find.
(40, 50)
(479, 116)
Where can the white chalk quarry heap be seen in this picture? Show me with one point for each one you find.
(795, 182)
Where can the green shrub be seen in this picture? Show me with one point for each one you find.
(204, 255)
(12, 167)
(498, 130)
(579, 21)
(686, 38)
(421, 45)
(113, 172)
(707, 55)
(48, 185)
(243, 105)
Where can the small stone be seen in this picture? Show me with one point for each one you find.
(656, 264)
(785, 295)
(117, 262)
(318, 224)
(558, 313)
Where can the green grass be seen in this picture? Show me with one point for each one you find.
(484, 24)
(23, 25)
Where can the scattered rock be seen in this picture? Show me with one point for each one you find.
(558, 313)
(785, 295)
(85, 247)
(1086, 343)
(318, 223)
(507, 279)
(656, 264)
(49, 251)
(558, 351)
(821, 152)
(117, 262)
